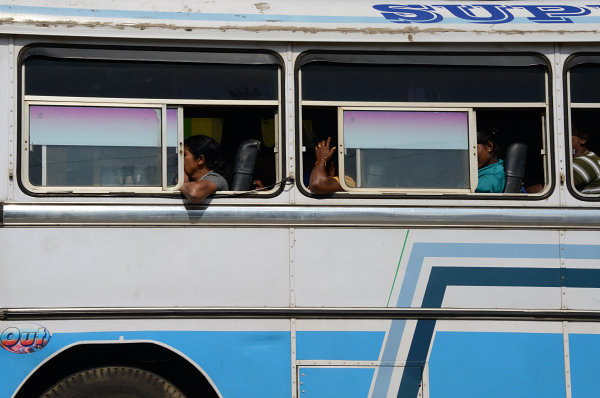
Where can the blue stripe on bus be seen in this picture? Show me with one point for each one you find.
(582, 252)
(339, 345)
(335, 382)
(584, 357)
(189, 16)
(413, 270)
(497, 365)
(241, 364)
(473, 276)
(441, 277)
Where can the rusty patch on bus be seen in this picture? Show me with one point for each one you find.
(410, 31)
(262, 7)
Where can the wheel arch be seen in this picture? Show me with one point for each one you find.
(150, 355)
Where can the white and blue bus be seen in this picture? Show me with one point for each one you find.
(405, 283)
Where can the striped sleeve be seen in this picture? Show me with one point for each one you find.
(586, 169)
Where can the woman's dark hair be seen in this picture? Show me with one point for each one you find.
(483, 137)
(204, 145)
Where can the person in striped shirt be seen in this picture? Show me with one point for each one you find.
(586, 164)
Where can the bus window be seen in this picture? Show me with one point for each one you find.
(419, 115)
(229, 126)
(584, 138)
(101, 121)
(83, 146)
(389, 149)
(526, 126)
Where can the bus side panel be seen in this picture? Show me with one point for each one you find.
(240, 358)
(143, 267)
(516, 359)
(420, 268)
(346, 267)
(582, 274)
(584, 349)
(427, 268)
(465, 358)
(493, 363)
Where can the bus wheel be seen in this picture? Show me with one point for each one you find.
(113, 381)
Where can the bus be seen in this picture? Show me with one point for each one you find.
(405, 282)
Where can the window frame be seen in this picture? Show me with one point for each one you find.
(144, 54)
(441, 58)
(164, 188)
(471, 150)
(576, 59)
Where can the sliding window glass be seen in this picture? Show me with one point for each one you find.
(432, 146)
(583, 137)
(406, 123)
(115, 121)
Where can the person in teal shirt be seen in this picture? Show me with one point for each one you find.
(490, 173)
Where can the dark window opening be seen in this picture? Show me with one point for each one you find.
(422, 83)
(129, 79)
(230, 126)
(583, 141)
(519, 125)
(585, 147)
(588, 120)
(318, 123)
(585, 83)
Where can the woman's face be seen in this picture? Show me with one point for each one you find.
(484, 154)
(578, 145)
(190, 162)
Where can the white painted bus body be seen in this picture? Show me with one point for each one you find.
(289, 294)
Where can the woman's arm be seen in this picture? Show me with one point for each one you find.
(197, 191)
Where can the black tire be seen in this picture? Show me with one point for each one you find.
(113, 382)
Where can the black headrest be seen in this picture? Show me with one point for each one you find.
(514, 166)
(243, 168)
